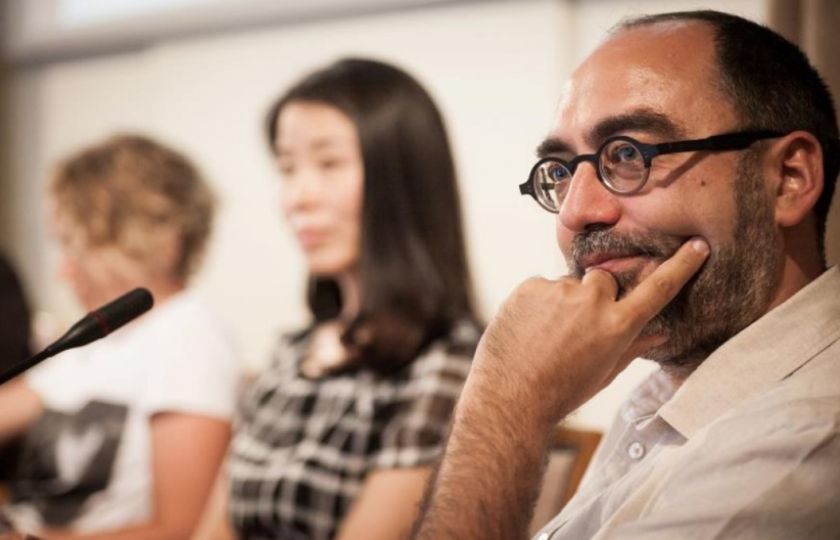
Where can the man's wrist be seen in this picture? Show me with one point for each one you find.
(491, 413)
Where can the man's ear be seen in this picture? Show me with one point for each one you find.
(796, 162)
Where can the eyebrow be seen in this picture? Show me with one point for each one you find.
(645, 120)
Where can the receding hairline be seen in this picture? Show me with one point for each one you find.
(675, 24)
(671, 23)
(665, 27)
(649, 119)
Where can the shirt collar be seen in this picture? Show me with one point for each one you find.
(762, 354)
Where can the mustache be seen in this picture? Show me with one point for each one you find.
(600, 241)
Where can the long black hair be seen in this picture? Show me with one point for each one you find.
(414, 278)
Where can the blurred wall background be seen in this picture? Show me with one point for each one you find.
(199, 74)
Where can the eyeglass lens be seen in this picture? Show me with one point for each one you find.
(621, 166)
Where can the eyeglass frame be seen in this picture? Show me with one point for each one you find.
(736, 140)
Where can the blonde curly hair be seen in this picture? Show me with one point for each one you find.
(139, 196)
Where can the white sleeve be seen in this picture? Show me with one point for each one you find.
(193, 366)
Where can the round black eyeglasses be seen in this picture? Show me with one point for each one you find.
(623, 164)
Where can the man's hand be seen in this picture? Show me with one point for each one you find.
(552, 346)
(555, 344)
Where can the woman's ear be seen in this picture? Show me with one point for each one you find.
(796, 162)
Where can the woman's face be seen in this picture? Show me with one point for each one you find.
(96, 274)
(320, 161)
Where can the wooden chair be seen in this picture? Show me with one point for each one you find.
(571, 452)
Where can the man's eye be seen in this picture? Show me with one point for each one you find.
(557, 173)
(626, 152)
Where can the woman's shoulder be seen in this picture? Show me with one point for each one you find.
(186, 334)
(292, 341)
(450, 354)
(186, 315)
(288, 348)
(460, 340)
(463, 336)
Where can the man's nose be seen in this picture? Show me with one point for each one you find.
(588, 202)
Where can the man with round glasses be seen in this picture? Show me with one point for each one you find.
(691, 167)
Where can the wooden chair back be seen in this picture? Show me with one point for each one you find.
(571, 451)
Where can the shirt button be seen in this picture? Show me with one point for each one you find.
(636, 450)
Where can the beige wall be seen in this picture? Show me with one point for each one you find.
(207, 96)
(495, 68)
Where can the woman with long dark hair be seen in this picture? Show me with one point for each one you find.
(337, 437)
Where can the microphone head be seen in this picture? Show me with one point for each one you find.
(96, 324)
(124, 309)
(101, 322)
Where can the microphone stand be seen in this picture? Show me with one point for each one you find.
(20, 367)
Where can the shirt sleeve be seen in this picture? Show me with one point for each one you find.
(418, 420)
(193, 366)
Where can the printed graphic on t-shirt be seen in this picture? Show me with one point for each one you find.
(66, 458)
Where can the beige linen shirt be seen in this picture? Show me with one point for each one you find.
(747, 447)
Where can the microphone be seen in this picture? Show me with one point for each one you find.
(95, 325)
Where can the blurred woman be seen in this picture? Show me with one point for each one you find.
(337, 437)
(121, 439)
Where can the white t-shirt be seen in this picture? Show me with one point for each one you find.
(87, 462)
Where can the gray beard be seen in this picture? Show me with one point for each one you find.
(733, 289)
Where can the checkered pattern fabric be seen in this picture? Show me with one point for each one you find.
(304, 446)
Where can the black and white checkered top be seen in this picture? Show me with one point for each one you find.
(304, 446)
